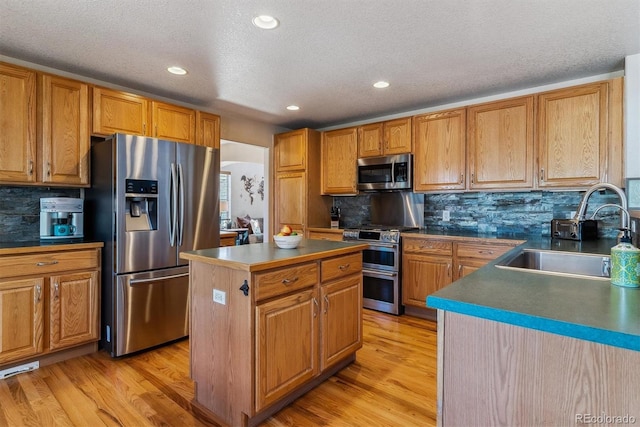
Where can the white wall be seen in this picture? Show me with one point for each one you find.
(632, 115)
(242, 202)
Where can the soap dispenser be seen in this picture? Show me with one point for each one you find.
(625, 263)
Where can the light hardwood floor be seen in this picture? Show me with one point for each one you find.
(391, 383)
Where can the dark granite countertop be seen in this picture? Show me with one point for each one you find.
(11, 248)
(263, 256)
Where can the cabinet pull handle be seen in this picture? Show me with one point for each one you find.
(144, 128)
(461, 178)
(40, 264)
(448, 270)
(473, 176)
(56, 290)
(48, 168)
(315, 310)
(542, 174)
(30, 167)
(38, 293)
(326, 305)
(344, 267)
(486, 252)
(288, 282)
(459, 269)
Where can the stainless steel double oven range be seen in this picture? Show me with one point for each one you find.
(381, 273)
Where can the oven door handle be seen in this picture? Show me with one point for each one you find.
(378, 272)
(382, 245)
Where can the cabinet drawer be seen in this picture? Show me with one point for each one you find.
(427, 246)
(335, 268)
(284, 280)
(320, 235)
(47, 263)
(488, 252)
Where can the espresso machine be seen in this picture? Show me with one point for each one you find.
(61, 218)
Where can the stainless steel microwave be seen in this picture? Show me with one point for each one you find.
(385, 173)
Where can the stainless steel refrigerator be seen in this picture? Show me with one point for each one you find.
(149, 200)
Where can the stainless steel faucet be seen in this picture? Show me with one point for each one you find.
(625, 220)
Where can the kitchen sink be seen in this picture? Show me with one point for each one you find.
(559, 263)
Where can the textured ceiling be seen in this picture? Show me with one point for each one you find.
(326, 54)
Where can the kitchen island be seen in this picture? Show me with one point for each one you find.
(527, 348)
(269, 324)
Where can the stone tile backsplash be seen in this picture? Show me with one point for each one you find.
(527, 213)
(485, 213)
(20, 211)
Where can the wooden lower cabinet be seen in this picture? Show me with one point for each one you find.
(49, 302)
(73, 309)
(429, 265)
(326, 234)
(287, 341)
(22, 328)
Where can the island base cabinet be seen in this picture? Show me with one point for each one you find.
(492, 373)
(287, 336)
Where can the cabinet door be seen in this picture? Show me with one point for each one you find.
(173, 123)
(286, 345)
(439, 160)
(290, 200)
(397, 136)
(21, 308)
(65, 131)
(500, 144)
(341, 319)
(17, 124)
(122, 112)
(468, 266)
(339, 161)
(208, 132)
(73, 311)
(423, 275)
(370, 140)
(572, 136)
(290, 151)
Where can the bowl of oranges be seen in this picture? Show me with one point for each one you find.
(287, 238)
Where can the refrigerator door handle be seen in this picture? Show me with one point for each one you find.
(181, 196)
(173, 208)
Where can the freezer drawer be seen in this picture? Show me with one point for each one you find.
(152, 308)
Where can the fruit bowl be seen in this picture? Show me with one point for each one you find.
(287, 242)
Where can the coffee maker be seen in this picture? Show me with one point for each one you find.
(61, 218)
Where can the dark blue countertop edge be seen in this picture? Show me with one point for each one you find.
(558, 327)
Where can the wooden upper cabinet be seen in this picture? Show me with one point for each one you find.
(208, 129)
(119, 112)
(439, 151)
(291, 200)
(64, 130)
(385, 138)
(17, 124)
(572, 136)
(500, 144)
(291, 150)
(339, 161)
(173, 123)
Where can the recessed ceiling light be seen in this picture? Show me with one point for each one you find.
(381, 84)
(265, 22)
(293, 108)
(179, 71)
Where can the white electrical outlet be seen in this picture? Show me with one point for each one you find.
(446, 215)
(220, 297)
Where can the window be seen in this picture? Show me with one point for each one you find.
(225, 195)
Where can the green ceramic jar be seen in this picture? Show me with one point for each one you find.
(625, 264)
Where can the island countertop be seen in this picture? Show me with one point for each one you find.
(588, 309)
(264, 256)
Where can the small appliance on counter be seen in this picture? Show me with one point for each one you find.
(335, 217)
(571, 229)
(61, 218)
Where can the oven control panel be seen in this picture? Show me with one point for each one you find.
(382, 236)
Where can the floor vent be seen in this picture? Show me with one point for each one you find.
(9, 372)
